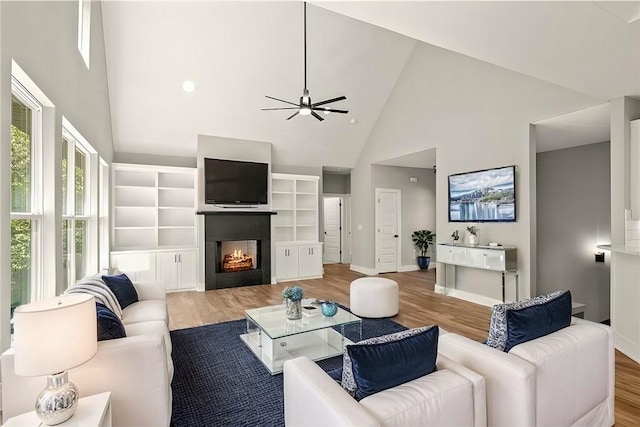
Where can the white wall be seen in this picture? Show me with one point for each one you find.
(418, 204)
(41, 37)
(477, 115)
(574, 215)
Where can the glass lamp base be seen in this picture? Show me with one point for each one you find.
(57, 403)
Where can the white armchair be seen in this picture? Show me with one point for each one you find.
(451, 396)
(562, 379)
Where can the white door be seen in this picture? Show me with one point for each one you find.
(286, 262)
(310, 261)
(332, 229)
(187, 271)
(387, 229)
(167, 269)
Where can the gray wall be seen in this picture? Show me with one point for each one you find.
(573, 216)
(149, 159)
(336, 184)
(418, 203)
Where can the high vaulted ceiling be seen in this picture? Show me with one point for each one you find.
(237, 52)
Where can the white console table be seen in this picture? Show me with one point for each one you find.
(502, 259)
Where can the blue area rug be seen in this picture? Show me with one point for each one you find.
(218, 381)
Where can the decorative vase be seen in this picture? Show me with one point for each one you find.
(293, 309)
(423, 262)
(329, 308)
(473, 239)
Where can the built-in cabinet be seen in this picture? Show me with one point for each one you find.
(298, 253)
(154, 234)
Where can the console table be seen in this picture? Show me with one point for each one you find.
(502, 259)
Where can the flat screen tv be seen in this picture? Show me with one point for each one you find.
(230, 182)
(483, 196)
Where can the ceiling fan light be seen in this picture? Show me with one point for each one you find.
(326, 111)
(305, 111)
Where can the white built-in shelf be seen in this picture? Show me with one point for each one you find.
(153, 207)
(295, 198)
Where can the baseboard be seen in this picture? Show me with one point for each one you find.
(363, 270)
(471, 297)
(414, 267)
(626, 346)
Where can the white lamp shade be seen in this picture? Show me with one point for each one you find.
(54, 335)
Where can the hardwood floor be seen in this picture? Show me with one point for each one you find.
(419, 306)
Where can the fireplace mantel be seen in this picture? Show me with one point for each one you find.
(236, 213)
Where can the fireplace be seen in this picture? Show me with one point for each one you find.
(237, 248)
(238, 255)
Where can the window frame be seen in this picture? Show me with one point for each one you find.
(91, 193)
(35, 214)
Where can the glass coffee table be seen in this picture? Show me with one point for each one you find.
(274, 339)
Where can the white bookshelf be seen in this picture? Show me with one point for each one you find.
(298, 253)
(153, 207)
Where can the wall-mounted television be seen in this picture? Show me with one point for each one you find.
(483, 196)
(231, 182)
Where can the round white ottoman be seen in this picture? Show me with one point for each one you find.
(374, 297)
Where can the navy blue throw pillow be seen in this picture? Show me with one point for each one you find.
(380, 366)
(122, 288)
(533, 322)
(109, 326)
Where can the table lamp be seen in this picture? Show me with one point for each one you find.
(51, 337)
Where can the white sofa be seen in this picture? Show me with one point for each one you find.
(451, 396)
(137, 369)
(562, 379)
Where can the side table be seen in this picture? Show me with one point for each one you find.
(92, 411)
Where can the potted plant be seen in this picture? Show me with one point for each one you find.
(423, 239)
(473, 236)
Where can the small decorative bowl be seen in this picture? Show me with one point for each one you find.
(329, 308)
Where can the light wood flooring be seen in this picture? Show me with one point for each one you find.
(419, 306)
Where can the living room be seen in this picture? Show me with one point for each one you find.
(470, 84)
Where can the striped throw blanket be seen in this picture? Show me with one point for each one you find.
(95, 286)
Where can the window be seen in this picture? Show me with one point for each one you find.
(84, 29)
(26, 196)
(77, 191)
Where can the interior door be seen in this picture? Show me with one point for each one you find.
(387, 229)
(332, 229)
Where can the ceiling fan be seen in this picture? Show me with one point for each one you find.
(306, 107)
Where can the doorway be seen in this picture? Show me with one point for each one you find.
(388, 240)
(332, 229)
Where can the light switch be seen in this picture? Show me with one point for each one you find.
(359, 226)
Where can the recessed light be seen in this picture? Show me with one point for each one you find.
(353, 121)
(188, 86)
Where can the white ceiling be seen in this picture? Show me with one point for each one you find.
(421, 159)
(583, 127)
(237, 52)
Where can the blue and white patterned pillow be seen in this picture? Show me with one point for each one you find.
(498, 328)
(348, 380)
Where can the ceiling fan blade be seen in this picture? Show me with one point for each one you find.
(314, 114)
(293, 115)
(285, 108)
(281, 100)
(328, 101)
(331, 110)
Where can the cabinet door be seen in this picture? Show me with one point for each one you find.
(187, 269)
(451, 254)
(168, 269)
(137, 265)
(286, 262)
(310, 260)
(476, 258)
(494, 260)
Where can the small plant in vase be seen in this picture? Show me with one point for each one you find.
(473, 235)
(293, 301)
(423, 239)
